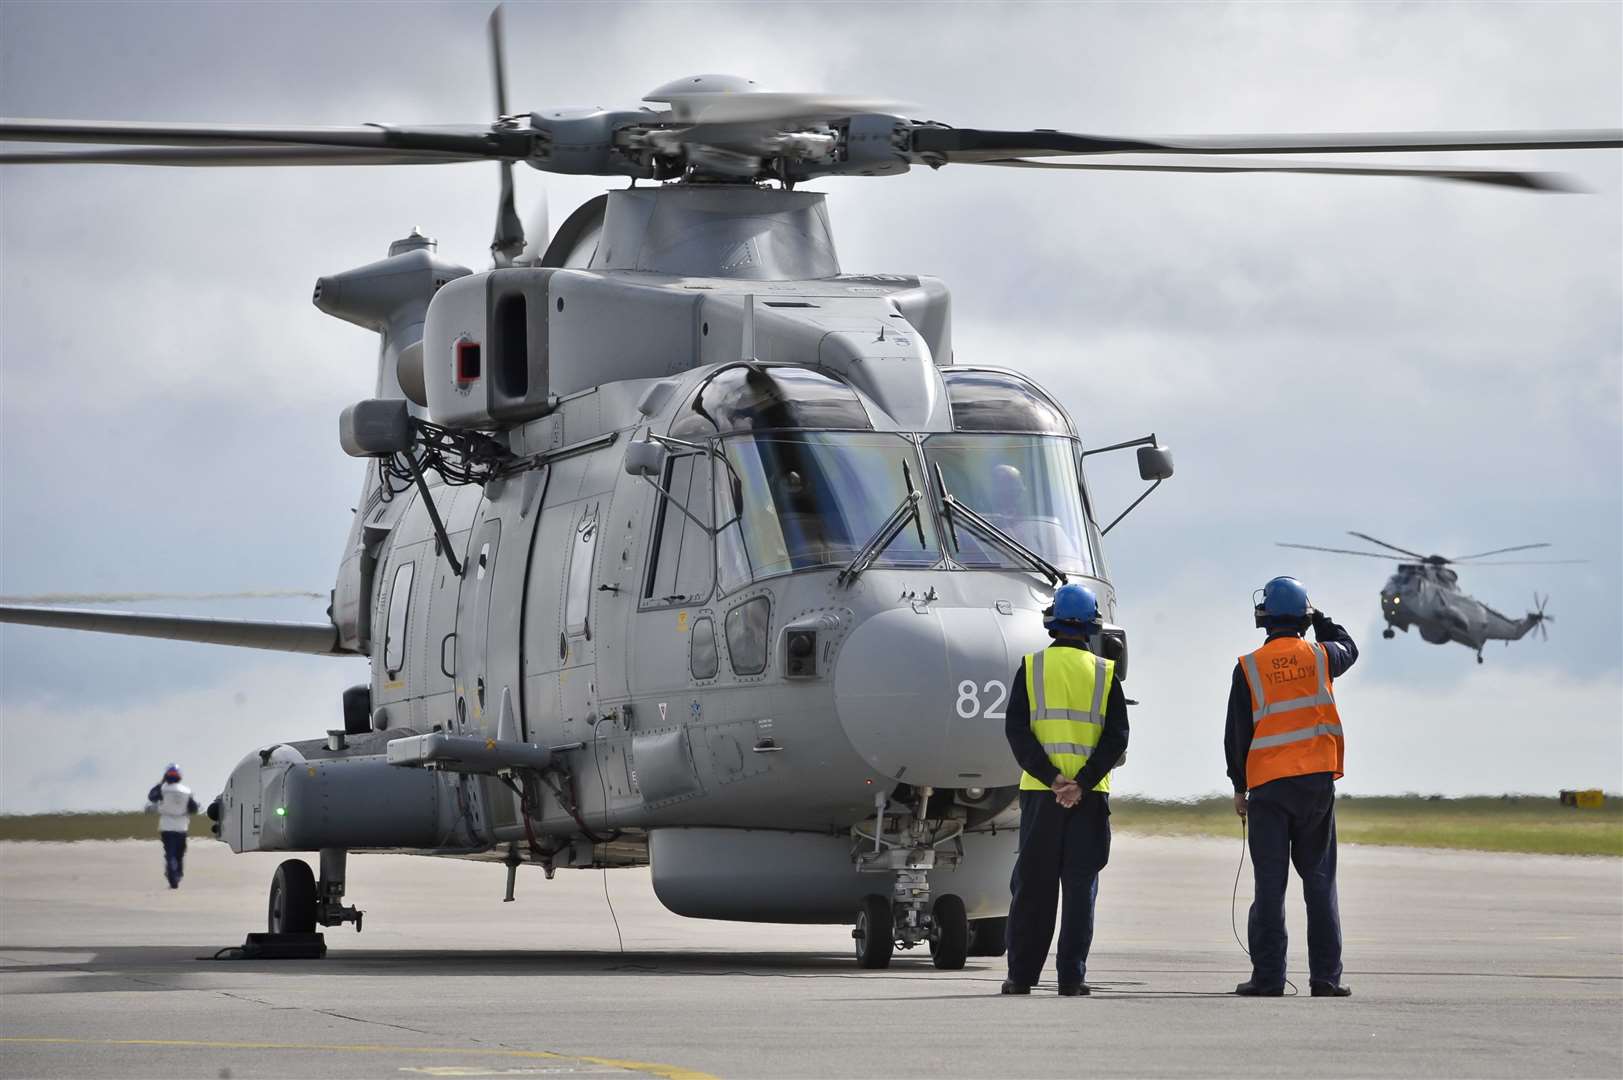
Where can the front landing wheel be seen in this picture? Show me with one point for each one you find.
(949, 933)
(293, 899)
(875, 934)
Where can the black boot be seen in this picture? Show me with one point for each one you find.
(1251, 988)
(1074, 990)
(1324, 989)
(1015, 988)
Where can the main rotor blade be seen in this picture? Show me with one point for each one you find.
(121, 598)
(238, 155)
(475, 140)
(1501, 551)
(1531, 562)
(318, 638)
(1384, 544)
(1338, 551)
(508, 240)
(1527, 181)
(944, 144)
(498, 66)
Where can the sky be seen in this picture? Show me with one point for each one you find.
(1434, 364)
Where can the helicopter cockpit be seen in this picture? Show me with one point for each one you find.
(803, 479)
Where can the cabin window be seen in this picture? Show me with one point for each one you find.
(702, 658)
(394, 640)
(680, 568)
(748, 625)
(577, 603)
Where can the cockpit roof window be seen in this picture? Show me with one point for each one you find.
(757, 397)
(985, 400)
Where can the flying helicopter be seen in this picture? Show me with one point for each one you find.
(681, 544)
(1426, 594)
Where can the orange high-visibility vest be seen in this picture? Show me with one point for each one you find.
(1295, 729)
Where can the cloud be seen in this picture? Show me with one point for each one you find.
(1437, 365)
(60, 755)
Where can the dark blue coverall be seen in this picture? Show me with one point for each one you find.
(1059, 846)
(1292, 821)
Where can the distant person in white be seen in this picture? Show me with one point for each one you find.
(173, 803)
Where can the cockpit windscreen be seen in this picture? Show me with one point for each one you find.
(800, 499)
(1026, 485)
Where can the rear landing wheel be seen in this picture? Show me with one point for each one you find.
(293, 899)
(949, 933)
(875, 934)
(1389, 633)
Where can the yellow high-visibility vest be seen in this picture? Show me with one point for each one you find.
(1068, 691)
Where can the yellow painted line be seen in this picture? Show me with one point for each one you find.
(653, 1068)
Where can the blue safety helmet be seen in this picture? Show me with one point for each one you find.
(1284, 604)
(172, 773)
(1075, 608)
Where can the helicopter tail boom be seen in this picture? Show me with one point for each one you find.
(320, 639)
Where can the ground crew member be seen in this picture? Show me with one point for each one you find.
(1284, 745)
(173, 803)
(1067, 726)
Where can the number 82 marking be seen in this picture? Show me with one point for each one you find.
(969, 699)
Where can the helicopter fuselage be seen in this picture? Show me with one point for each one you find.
(732, 662)
(1429, 599)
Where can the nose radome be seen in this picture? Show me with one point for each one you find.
(923, 695)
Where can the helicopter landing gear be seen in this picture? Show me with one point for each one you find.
(949, 933)
(874, 942)
(1479, 658)
(1389, 633)
(298, 903)
(292, 899)
(910, 845)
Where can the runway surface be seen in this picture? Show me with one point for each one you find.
(1462, 965)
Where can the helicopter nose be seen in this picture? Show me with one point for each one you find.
(922, 694)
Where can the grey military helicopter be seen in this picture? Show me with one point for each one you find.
(1426, 594)
(679, 545)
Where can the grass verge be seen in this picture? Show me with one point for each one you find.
(1484, 823)
(1514, 823)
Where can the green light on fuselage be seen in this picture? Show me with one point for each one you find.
(281, 811)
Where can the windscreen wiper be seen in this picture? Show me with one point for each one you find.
(953, 508)
(888, 531)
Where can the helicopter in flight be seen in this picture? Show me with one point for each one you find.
(678, 544)
(1426, 594)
